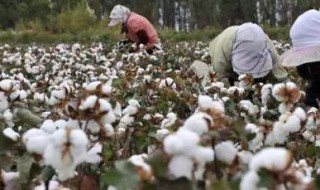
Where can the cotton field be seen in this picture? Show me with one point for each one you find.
(92, 116)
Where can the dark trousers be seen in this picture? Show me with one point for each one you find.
(311, 73)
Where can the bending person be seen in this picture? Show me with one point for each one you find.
(305, 54)
(136, 28)
(245, 49)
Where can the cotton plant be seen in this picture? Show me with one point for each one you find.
(280, 164)
(66, 150)
(128, 113)
(214, 108)
(287, 123)
(143, 169)
(184, 150)
(169, 120)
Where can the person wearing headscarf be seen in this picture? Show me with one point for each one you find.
(136, 28)
(245, 49)
(305, 53)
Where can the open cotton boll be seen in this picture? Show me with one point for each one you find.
(226, 152)
(180, 166)
(198, 123)
(233, 89)
(272, 159)
(92, 86)
(32, 133)
(37, 144)
(94, 154)
(256, 142)
(249, 106)
(190, 139)
(10, 180)
(126, 120)
(173, 145)
(245, 157)
(292, 124)
(203, 155)
(168, 82)
(276, 90)
(92, 126)
(6, 84)
(169, 121)
(299, 112)
(89, 102)
(117, 110)
(205, 102)
(309, 136)
(161, 134)
(108, 129)
(48, 126)
(278, 135)
(250, 181)
(11, 134)
(284, 108)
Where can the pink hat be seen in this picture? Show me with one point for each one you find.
(305, 37)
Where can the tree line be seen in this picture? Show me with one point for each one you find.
(183, 15)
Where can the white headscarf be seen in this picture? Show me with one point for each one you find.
(250, 53)
(119, 14)
(305, 36)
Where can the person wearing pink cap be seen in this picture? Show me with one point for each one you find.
(305, 53)
(136, 28)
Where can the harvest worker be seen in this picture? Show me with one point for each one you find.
(245, 49)
(136, 28)
(305, 53)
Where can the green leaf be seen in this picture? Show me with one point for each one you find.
(124, 177)
(47, 173)
(24, 167)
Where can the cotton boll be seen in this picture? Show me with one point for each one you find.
(94, 156)
(250, 181)
(205, 102)
(309, 136)
(190, 139)
(169, 121)
(225, 152)
(284, 108)
(89, 102)
(204, 154)
(198, 123)
(275, 91)
(37, 144)
(92, 86)
(168, 82)
(299, 112)
(48, 126)
(10, 180)
(272, 159)
(293, 124)
(6, 84)
(161, 134)
(180, 166)
(11, 134)
(32, 133)
(173, 145)
(245, 157)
